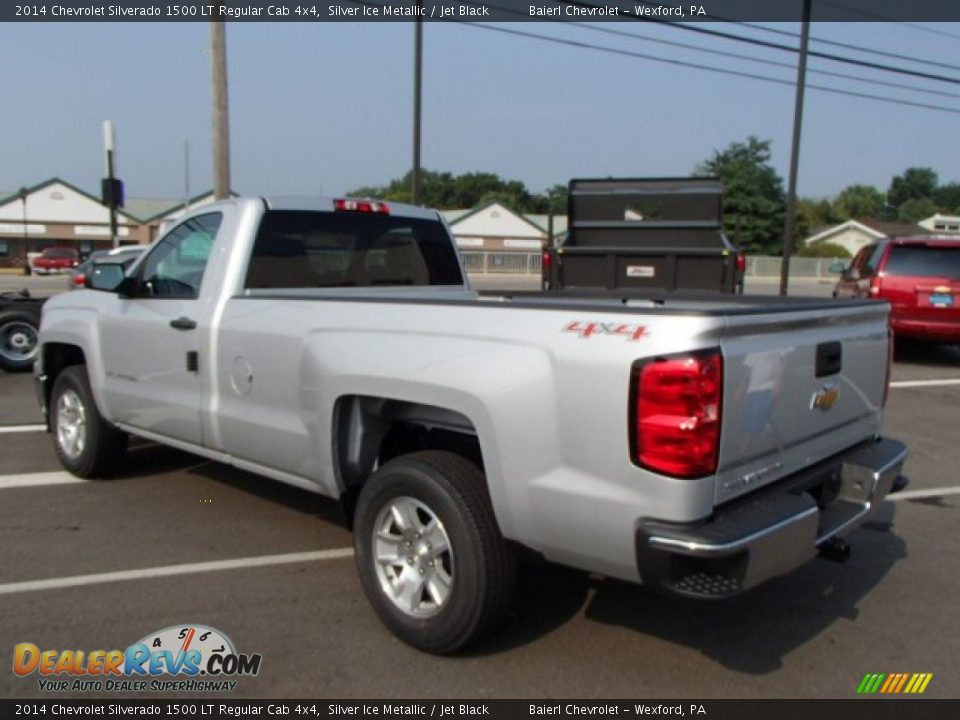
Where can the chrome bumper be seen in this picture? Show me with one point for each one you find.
(773, 531)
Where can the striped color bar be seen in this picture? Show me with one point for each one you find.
(894, 683)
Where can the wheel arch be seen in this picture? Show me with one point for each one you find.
(369, 431)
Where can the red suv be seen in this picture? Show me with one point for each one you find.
(56, 259)
(919, 276)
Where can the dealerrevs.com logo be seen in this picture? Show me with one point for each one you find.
(181, 658)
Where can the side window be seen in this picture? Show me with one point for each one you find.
(873, 259)
(174, 268)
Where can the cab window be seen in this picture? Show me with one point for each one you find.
(175, 267)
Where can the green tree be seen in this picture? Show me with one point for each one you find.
(446, 191)
(947, 198)
(916, 209)
(859, 201)
(914, 184)
(753, 201)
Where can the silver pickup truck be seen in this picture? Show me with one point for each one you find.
(697, 445)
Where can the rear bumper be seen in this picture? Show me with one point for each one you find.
(773, 531)
(944, 331)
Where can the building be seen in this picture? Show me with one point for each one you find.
(495, 239)
(58, 214)
(942, 223)
(492, 238)
(854, 234)
(55, 213)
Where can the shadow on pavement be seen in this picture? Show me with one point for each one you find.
(927, 353)
(752, 633)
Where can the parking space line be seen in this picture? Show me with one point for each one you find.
(918, 494)
(171, 570)
(924, 383)
(4, 429)
(58, 477)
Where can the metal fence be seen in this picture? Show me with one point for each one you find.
(501, 263)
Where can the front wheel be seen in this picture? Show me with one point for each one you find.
(430, 555)
(18, 341)
(86, 444)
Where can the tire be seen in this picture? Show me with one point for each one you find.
(18, 341)
(462, 592)
(86, 444)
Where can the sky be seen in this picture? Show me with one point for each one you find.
(322, 108)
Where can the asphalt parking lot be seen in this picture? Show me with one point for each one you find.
(293, 596)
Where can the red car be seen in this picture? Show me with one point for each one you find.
(919, 276)
(55, 260)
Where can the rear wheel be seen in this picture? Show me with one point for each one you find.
(431, 557)
(87, 445)
(18, 341)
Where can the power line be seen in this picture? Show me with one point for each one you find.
(857, 48)
(777, 46)
(774, 63)
(697, 66)
(879, 16)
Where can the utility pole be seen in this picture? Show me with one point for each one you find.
(221, 118)
(795, 150)
(24, 194)
(111, 188)
(416, 190)
(186, 175)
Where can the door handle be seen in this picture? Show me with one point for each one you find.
(183, 323)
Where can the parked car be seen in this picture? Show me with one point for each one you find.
(125, 254)
(55, 260)
(919, 276)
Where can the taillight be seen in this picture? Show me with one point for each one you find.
(676, 406)
(741, 263)
(80, 280)
(362, 206)
(875, 286)
(547, 261)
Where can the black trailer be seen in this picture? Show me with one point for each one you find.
(651, 233)
(19, 323)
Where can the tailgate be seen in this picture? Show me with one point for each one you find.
(798, 388)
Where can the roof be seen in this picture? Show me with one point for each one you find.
(451, 216)
(874, 229)
(54, 181)
(894, 229)
(148, 208)
(543, 221)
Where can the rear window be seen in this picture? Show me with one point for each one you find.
(59, 253)
(299, 249)
(924, 261)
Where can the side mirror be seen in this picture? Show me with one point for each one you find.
(106, 277)
(838, 267)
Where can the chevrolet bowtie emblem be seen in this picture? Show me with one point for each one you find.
(824, 398)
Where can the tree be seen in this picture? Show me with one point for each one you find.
(916, 209)
(753, 200)
(446, 191)
(859, 201)
(914, 184)
(947, 198)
